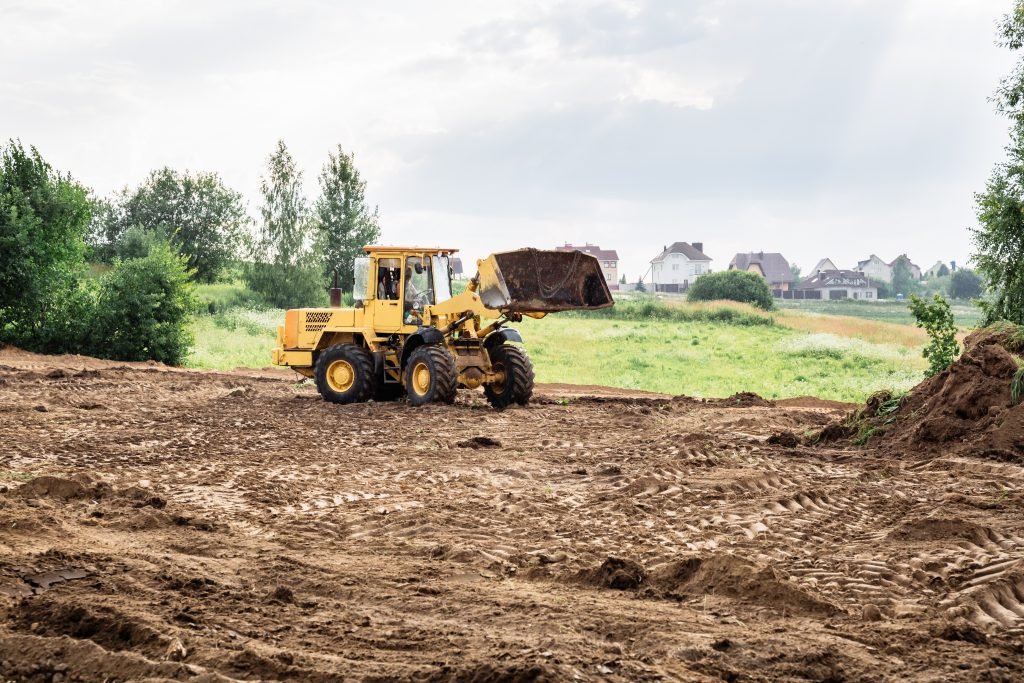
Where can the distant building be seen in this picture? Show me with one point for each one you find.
(457, 268)
(678, 266)
(938, 270)
(823, 264)
(877, 269)
(836, 284)
(608, 258)
(772, 266)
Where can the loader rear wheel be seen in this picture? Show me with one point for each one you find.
(431, 376)
(344, 374)
(518, 384)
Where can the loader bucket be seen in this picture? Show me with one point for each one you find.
(539, 281)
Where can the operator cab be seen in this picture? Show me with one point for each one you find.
(403, 281)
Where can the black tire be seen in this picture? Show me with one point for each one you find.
(431, 376)
(344, 374)
(518, 385)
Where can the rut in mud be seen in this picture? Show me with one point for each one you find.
(175, 524)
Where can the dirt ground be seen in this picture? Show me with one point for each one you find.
(168, 524)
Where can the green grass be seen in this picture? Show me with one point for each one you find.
(968, 316)
(716, 360)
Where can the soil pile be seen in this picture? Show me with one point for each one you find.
(970, 407)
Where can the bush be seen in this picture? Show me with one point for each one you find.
(937, 320)
(44, 215)
(137, 242)
(732, 285)
(286, 286)
(142, 309)
(651, 309)
(965, 284)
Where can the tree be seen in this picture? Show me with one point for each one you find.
(999, 237)
(902, 278)
(204, 219)
(795, 269)
(143, 307)
(943, 271)
(622, 280)
(640, 287)
(936, 319)
(734, 285)
(284, 268)
(345, 223)
(44, 216)
(965, 284)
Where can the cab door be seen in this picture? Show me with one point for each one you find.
(387, 304)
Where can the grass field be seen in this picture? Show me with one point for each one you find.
(684, 351)
(967, 315)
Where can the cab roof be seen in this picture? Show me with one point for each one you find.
(380, 249)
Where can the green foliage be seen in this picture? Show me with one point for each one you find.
(143, 307)
(204, 219)
(903, 281)
(137, 242)
(943, 271)
(284, 269)
(645, 308)
(733, 285)
(1017, 386)
(622, 280)
(345, 223)
(965, 284)
(999, 237)
(936, 319)
(795, 269)
(44, 216)
(640, 286)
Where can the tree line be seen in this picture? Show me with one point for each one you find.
(156, 240)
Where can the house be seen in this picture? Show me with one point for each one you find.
(608, 258)
(823, 264)
(457, 273)
(772, 266)
(940, 269)
(836, 284)
(678, 266)
(877, 269)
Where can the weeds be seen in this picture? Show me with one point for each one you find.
(1017, 386)
(866, 433)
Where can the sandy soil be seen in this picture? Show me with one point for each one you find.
(198, 525)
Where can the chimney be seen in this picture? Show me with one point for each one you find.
(699, 246)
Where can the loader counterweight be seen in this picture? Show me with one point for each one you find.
(407, 334)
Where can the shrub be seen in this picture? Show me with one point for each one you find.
(142, 309)
(282, 285)
(936, 319)
(652, 309)
(137, 242)
(733, 285)
(965, 284)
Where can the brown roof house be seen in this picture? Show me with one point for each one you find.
(836, 284)
(772, 266)
(608, 258)
(678, 266)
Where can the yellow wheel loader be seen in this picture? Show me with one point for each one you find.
(407, 335)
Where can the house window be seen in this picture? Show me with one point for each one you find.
(675, 266)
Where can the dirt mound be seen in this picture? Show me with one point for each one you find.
(615, 572)
(746, 399)
(740, 579)
(53, 487)
(935, 529)
(971, 403)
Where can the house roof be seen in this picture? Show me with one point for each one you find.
(773, 264)
(593, 250)
(835, 278)
(904, 257)
(824, 264)
(684, 248)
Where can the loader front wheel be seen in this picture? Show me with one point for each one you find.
(431, 376)
(513, 362)
(344, 374)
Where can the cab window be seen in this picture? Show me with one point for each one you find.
(388, 270)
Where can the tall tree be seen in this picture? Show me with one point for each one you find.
(283, 267)
(204, 219)
(44, 215)
(999, 237)
(345, 221)
(965, 284)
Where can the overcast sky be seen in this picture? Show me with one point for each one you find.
(811, 127)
